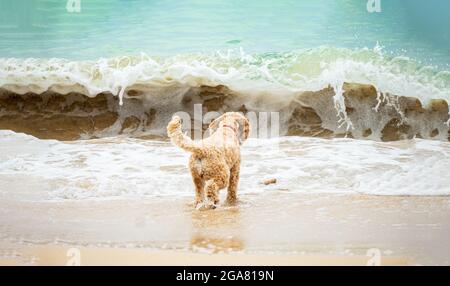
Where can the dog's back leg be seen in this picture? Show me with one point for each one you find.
(232, 185)
(212, 193)
(196, 172)
(199, 187)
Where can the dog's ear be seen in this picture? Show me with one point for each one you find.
(243, 121)
(215, 123)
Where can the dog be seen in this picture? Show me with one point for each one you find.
(215, 161)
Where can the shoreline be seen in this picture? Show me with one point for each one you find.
(273, 228)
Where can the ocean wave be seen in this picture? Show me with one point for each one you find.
(298, 82)
(278, 73)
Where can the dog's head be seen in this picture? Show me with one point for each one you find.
(234, 119)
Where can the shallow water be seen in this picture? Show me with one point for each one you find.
(413, 227)
(119, 167)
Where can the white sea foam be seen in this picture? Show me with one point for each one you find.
(278, 74)
(33, 169)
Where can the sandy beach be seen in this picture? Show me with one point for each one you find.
(261, 230)
(57, 256)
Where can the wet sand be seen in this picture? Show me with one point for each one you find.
(273, 228)
(60, 255)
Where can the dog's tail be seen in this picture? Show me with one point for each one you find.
(178, 138)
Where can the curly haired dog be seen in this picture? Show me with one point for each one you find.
(216, 160)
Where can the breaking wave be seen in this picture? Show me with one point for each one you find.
(326, 92)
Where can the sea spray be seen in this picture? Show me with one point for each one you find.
(274, 82)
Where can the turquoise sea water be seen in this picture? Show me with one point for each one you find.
(111, 45)
(110, 28)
